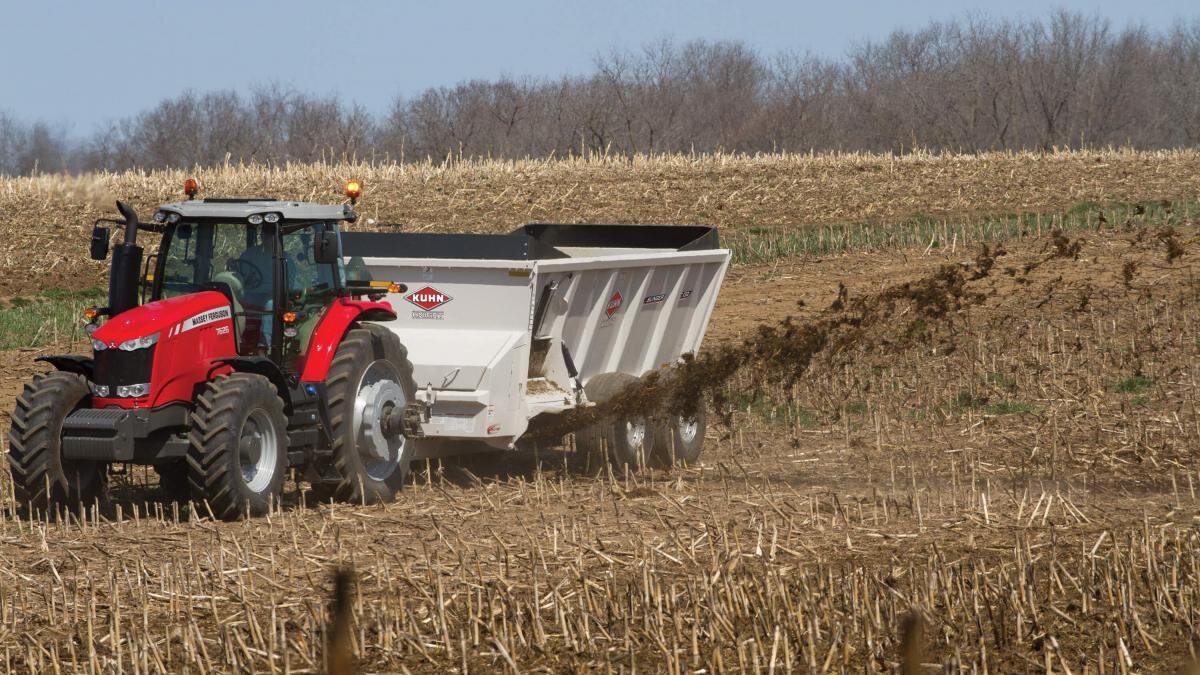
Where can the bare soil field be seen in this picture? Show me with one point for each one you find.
(961, 458)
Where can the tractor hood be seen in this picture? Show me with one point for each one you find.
(156, 354)
(166, 317)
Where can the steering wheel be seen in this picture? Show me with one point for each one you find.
(248, 271)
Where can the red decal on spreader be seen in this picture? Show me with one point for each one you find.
(428, 298)
(614, 304)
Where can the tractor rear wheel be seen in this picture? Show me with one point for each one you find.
(370, 382)
(238, 455)
(42, 479)
(626, 440)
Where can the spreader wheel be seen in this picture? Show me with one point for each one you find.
(626, 440)
(238, 455)
(679, 437)
(370, 382)
(42, 479)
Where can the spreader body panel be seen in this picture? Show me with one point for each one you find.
(518, 324)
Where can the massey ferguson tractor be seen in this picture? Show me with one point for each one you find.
(258, 339)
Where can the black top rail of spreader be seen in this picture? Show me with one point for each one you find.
(534, 241)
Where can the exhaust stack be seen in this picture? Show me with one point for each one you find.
(126, 264)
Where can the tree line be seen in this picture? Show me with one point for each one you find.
(1067, 80)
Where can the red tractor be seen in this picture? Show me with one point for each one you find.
(252, 353)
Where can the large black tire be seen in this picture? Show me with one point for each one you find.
(679, 438)
(238, 455)
(626, 441)
(42, 480)
(370, 371)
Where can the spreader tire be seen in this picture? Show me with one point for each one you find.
(369, 378)
(238, 455)
(42, 479)
(625, 440)
(679, 438)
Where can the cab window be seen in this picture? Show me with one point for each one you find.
(310, 287)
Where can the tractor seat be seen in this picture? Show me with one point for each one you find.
(229, 280)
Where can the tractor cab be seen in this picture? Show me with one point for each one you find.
(274, 261)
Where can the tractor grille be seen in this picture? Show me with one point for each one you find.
(115, 367)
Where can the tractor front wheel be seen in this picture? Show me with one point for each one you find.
(42, 479)
(238, 455)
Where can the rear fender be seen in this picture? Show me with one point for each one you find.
(328, 334)
(82, 365)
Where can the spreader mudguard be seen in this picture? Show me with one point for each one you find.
(328, 334)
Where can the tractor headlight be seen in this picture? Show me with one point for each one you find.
(100, 390)
(98, 345)
(255, 219)
(160, 216)
(133, 390)
(138, 343)
(271, 217)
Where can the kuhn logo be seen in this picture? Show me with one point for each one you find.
(428, 298)
(614, 304)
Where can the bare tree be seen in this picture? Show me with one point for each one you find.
(1177, 85)
(966, 85)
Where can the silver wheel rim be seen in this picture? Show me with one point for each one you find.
(258, 450)
(688, 428)
(379, 392)
(635, 433)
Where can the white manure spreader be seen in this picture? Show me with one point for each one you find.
(504, 331)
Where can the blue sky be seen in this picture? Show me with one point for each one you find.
(86, 62)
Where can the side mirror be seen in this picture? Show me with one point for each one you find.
(100, 236)
(326, 249)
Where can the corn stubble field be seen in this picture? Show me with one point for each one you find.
(965, 450)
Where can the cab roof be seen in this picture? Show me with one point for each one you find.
(240, 209)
